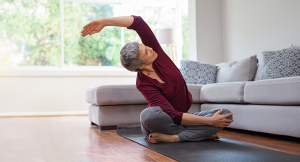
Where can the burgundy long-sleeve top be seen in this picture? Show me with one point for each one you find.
(172, 96)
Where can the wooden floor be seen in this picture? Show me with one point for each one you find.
(74, 139)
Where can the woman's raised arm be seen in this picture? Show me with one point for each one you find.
(97, 25)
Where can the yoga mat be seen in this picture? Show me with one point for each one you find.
(222, 150)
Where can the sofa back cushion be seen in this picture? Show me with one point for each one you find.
(235, 71)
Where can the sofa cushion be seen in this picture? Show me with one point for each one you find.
(236, 71)
(194, 72)
(281, 91)
(282, 63)
(230, 92)
(125, 94)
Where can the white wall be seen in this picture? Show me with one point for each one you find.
(253, 26)
(209, 31)
(52, 92)
(205, 35)
(232, 30)
(192, 30)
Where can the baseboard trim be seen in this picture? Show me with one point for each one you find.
(43, 114)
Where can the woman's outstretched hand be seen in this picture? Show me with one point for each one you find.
(219, 120)
(93, 27)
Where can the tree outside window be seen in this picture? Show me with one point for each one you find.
(30, 32)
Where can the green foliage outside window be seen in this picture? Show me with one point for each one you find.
(30, 34)
(100, 49)
(30, 24)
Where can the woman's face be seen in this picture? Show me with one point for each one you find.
(147, 54)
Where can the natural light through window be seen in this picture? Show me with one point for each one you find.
(47, 32)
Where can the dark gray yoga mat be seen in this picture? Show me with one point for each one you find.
(222, 150)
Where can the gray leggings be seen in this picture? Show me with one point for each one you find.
(155, 120)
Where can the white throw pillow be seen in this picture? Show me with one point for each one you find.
(235, 71)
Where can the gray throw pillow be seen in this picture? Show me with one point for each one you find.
(194, 72)
(281, 63)
(269, 55)
(235, 71)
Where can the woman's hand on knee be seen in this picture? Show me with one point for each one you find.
(219, 120)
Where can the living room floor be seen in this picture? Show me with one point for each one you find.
(73, 138)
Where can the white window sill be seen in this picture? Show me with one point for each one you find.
(41, 71)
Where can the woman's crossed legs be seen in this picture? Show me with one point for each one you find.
(160, 125)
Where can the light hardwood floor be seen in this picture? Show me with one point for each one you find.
(74, 139)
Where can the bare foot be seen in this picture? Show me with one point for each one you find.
(160, 138)
(214, 136)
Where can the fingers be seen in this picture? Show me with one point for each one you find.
(87, 29)
(83, 32)
(88, 25)
(87, 32)
(228, 115)
(228, 120)
(220, 111)
(93, 33)
(225, 125)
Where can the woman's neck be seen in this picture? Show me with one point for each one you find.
(148, 70)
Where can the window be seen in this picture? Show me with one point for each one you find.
(47, 32)
(29, 33)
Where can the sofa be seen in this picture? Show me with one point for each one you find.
(262, 105)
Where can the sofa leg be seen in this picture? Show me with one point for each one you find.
(111, 127)
(93, 123)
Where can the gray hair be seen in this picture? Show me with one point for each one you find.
(129, 56)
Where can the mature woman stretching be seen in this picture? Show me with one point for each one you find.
(166, 118)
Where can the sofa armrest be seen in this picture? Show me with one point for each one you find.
(194, 89)
(114, 95)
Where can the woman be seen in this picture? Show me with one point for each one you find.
(166, 118)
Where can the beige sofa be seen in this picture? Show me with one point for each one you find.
(270, 106)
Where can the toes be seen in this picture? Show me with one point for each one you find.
(151, 141)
